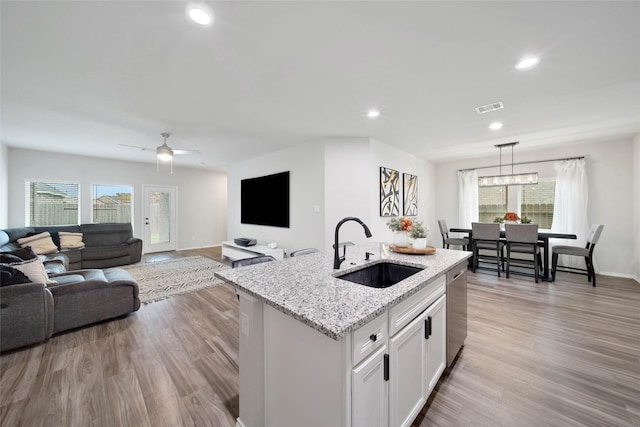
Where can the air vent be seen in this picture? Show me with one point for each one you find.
(489, 107)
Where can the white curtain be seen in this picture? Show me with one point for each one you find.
(570, 210)
(467, 198)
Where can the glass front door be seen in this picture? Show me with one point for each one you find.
(159, 219)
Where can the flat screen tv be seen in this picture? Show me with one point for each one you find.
(265, 200)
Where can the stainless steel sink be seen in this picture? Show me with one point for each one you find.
(381, 275)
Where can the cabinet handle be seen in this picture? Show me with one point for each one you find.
(427, 327)
(386, 367)
(457, 275)
(373, 337)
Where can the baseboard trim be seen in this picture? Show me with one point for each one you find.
(621, 275)
(198, 247)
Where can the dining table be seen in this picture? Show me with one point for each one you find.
(543, 238)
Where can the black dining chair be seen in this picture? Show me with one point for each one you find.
(523, 239)
(586, 253)
(486, 237)
(446, 240)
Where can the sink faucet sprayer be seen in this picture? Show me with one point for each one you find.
(337, 259)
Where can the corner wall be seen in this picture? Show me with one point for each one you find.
(202, 194)
(610, 168)
(4, 186)
(636, 207)
(340, 176)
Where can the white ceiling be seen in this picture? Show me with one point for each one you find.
(85, 76)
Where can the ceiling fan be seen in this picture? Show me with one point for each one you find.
(164, 152)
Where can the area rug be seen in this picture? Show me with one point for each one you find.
(163, 279)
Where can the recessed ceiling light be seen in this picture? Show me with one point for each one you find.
(372, 114)
(526, 63)
(495, 126)
(200, 15)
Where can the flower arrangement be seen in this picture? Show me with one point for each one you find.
(400, 224)
(418, 230)
(498, 219)
(525, 220)
(511, 216)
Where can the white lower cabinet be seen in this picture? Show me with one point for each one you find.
(436, 343)
(407, 373)
(398, 377)
(370, 401)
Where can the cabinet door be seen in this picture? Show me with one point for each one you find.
(436, 343)
(407, 376)
(370, 392)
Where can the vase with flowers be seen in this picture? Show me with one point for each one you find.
(511, 218)
(400, 227)
(419, 233)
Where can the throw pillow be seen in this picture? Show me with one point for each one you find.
(41, 243)
(34, 270)
(22, 254)
(71, 240)
(11, 276)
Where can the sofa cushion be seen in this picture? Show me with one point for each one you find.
(34, 270)
(21, 254)
(105, 252)
(41, 243)
(110, 234)
(11, 276)
(70, 240)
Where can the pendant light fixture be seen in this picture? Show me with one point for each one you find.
(512, 179)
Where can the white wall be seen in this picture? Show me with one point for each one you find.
(202, 195)
(610, 168)
(306, 165)
(403, 162)
(340, 175)
(636, 204)
(4, 185)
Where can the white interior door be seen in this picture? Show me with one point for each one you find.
(159, 218)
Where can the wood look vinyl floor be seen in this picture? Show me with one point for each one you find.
(546, 354)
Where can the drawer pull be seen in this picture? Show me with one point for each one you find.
(373, 337)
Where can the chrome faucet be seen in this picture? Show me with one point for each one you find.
(337, 259)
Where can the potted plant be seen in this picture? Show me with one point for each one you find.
(400, 227)
(419, 233)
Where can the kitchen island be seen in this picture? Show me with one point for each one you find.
(316, 350)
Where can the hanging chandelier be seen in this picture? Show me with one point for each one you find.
(511, 179)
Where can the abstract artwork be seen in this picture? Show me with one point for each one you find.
(410, 194)
(389, 192)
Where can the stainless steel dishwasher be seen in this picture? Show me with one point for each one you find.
(456, 310)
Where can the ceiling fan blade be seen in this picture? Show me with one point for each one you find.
(138, 147)
(186, 152)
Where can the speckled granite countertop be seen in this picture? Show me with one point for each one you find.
(305, 288)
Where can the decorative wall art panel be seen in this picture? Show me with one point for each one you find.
(389, 192)
(410, 194)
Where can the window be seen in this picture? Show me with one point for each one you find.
(51, 203)
(492, 203)
(112, 203)
(537, 202)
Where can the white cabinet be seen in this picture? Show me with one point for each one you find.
(407, 373)
(436, 342)
(234, 252)
(370, 401)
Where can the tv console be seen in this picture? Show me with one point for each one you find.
(234, 252)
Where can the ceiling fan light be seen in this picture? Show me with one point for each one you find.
(200, 14)
(164, 153)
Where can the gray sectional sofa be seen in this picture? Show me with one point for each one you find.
(91, 291)
(106, 245)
